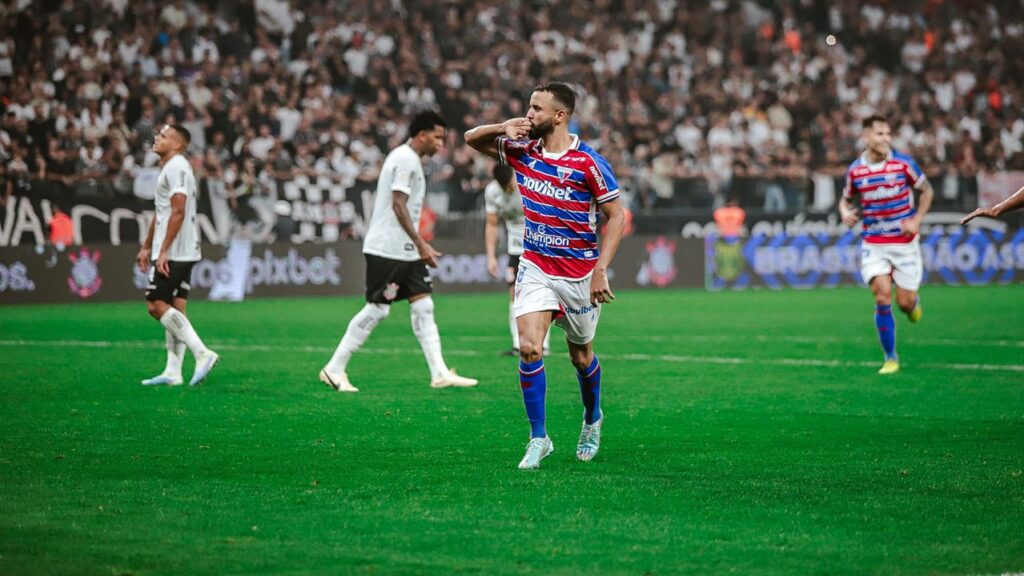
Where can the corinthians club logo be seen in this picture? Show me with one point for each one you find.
(391, 291)
(85, 274)
(660, 268)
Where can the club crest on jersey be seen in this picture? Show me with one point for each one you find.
(890, 178)
(564, 173)
(391, 291)
(85, 277)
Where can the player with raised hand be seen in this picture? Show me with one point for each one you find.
(397, 258)
(563, 276)
(168, 254)
(1014, 202)
(884, 181)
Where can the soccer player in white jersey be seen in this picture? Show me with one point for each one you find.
(397, 258)
(563, 276)
(502, 202)
(883, 181)
(168, 254)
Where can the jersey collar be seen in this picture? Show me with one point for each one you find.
(574, 145)
(877, 165)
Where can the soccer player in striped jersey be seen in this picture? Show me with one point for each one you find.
(883, 181)
(562, 274)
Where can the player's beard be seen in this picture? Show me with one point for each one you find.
(541, 130)
(881, 150)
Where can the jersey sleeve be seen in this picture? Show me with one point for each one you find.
(914, 173)
(177, 178)
(510, 149)
(602, 180)
(401, 176)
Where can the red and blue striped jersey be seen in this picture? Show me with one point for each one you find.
(560, 192)
(886, 195)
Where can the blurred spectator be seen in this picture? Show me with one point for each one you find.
(729, 219)
(61, 228)
(671, 91)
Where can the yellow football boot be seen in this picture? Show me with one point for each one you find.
(915, 314)
(890, 367)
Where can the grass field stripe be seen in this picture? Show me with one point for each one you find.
(724, 360)
(763, 338)
(801, 362)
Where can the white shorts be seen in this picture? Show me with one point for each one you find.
(569, 299)
(903, 261)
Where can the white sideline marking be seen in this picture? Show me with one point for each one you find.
(156, 344)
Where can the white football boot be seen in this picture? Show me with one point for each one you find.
(454, 380)
(537, 450)
(590, 440)
(164, 380)
(337, 381)
(204, 364)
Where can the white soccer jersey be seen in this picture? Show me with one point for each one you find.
(402, 171)
(176, 177)
(509, 206)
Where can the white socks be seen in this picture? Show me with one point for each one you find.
(423, 325)
(512, 325)
(359, 329)
(422, 315)
(175, 354)
(178, 325)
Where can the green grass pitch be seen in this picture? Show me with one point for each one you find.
(746, 432)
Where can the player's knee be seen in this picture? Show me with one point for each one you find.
(580, 365)
(581, 358)
(421, 312)
(883, 297)
(530, 351)
(156, 308)
(422, 306)
(906, 302)
(379, 311)
(371, 315)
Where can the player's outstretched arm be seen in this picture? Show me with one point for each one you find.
(1014, 202)
(484, 138)
(600, 290)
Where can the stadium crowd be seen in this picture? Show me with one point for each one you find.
(690, 101)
